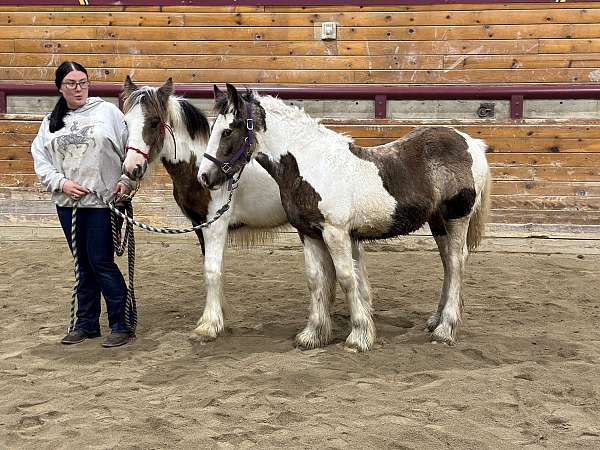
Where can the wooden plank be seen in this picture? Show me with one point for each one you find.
(533, 202)
(15, 153)
(525, 173)
(521, 61)
(7, 45)
(397, 18)
(320, 76)
(167, 214)
(148, 195)
(535, 145)
(510, 173)
(541, 216)
(511, 145)
(545, 159)
(543, 188)
(344, 18)
(19, 126)
(391, 33)
(275, 48)
(101, 60)
(568, 46)
(543, 130)
(87, 18)
(527, 129)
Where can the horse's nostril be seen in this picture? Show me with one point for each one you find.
(204, 179)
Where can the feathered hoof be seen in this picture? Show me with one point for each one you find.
(308, 339)
(359, 341)
(432, 322)
(206, 332)
(445, 334)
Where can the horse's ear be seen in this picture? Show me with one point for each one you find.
(129, 86)
(166, 90)
(218, 92)
(234, 98)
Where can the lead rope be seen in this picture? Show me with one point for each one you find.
(129, 239)
(119, 248)
(74, 302)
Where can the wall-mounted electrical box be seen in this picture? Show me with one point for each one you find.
(328, 31)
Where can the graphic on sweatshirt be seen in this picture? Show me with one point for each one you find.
(76, 143)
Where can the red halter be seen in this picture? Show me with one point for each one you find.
(163, 126)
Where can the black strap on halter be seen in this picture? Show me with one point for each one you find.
(227, 166)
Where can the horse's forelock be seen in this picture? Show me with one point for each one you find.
(223, 106)
(147, 97)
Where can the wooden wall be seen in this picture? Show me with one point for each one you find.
(456, 44)
(545, 171)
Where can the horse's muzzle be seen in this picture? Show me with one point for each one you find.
(138, 171)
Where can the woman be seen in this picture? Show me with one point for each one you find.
(78, 149)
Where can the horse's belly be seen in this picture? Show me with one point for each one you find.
(369, 213)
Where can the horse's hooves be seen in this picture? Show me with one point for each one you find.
(200, 338)
(432, 323)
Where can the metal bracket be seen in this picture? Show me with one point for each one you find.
(486, 111)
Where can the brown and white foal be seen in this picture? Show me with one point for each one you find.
(338, 195)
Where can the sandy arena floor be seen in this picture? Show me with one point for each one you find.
(526, 371)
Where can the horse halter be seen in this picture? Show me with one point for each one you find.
(163, 125)
(226, 166)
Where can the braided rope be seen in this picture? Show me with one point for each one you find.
(129, 239)
(154, 229)
(74, 302)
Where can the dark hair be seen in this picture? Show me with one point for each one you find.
(61, 108)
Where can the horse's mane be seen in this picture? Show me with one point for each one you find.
(180, 110)
(292, 113)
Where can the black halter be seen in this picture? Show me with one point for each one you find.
(226, 166)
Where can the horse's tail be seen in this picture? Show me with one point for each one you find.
(479, 218)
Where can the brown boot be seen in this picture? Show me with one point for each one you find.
(116, 340)
(77, 336)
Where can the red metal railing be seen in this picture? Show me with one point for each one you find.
(378, 93)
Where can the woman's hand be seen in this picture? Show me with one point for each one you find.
(74, 190)
(121, 190)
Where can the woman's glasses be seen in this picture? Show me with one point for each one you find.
(83, 84)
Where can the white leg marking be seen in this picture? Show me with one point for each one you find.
(457, 252)
(320, 274)
(362, 336)
(211, 323)
(434, 320)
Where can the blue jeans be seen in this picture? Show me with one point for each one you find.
(98, 272)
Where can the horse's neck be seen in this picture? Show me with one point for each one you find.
(304, 138)
(183, 148)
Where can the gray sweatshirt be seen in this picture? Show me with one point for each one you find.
(89, 149)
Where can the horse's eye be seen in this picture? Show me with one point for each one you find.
(154, 123)
(227, 132)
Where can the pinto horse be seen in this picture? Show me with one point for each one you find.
(166, 127)
(338, 195)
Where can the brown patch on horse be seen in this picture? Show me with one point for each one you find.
(298, 197)
(189, 194)
(429, 174)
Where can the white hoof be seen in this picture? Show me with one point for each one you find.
(444, 333)
(309, 338)
(433, 322)
(207, 331)
(361, 339)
